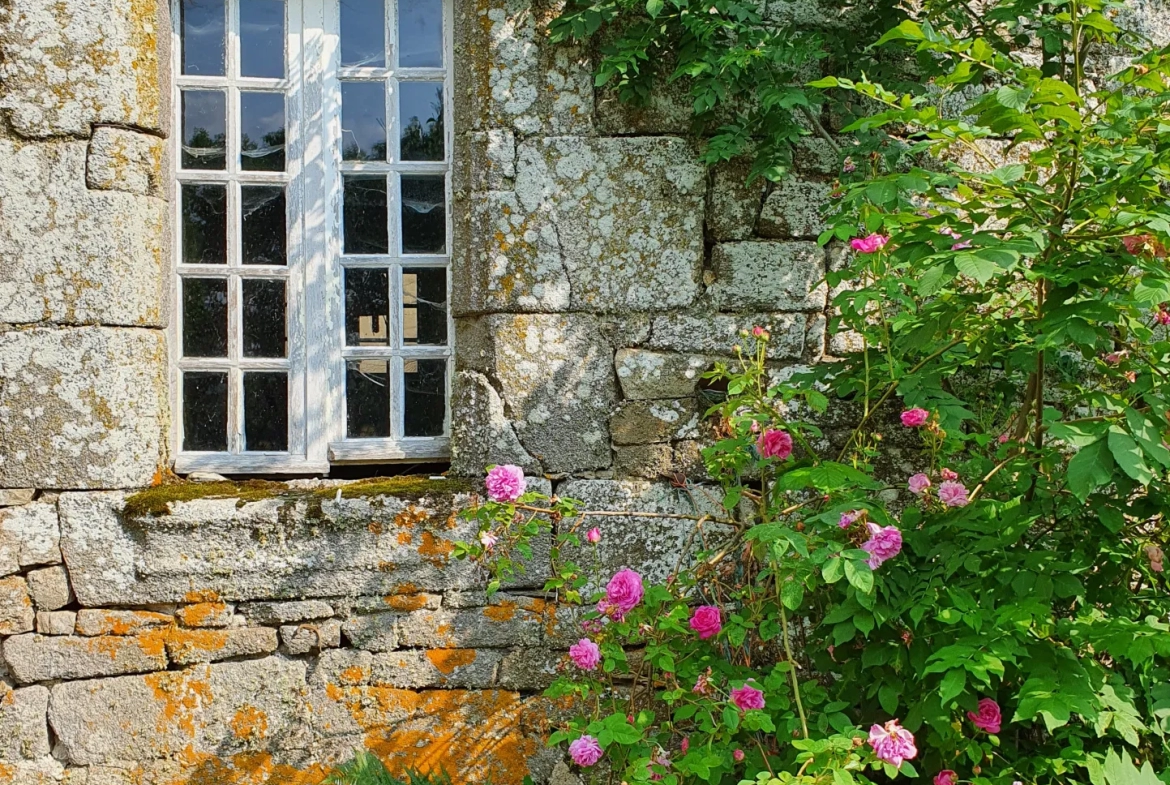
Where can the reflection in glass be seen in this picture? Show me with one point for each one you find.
(367, 307)
(204, 223)
(265, 411)
(363, 121)
(420, 114)
(424, 306)
(205, 411)
(204, 139)
(262, 225)
(364, 215)
(205, 317)
(262, 38)
(262, 132)
(420, 34)
(264, 323)
(424, 214)
(367, 399)
(203, 33)
(424, 384)
(363, 33)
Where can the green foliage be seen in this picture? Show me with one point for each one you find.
(366, 769)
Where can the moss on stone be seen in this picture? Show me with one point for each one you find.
(404, 487)
(156, 501)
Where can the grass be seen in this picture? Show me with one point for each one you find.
(366, 769)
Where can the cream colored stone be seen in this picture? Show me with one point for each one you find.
(29, 536)
(50, 588)
(24, 732)
(16, 608)
(56, 622)
(121, 160)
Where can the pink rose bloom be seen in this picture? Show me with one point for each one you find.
(593, 535)
(988, 718)
(1162, 317)
(760, 332)
(585, 751)
(946, 777)
(847, 519)
(870, 244)
(884, 543)
(738, 755)
(505, 483)
(707, 621)
(915, 418)
(662, 760)
(623, 592)
(961, 246)
(1003, 437)
(488, 540)
(686, 745)
(747, 697)
(774, 444)
(703, 683)
(953, 494)
(918, 484)
(1113, 358)
(947, 474)
(892, 743)
(585, 654)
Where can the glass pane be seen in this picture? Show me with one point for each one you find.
(203, 31)
(262, 38)
(420, 34)
(424, 214)
(365, 215)
(264, 323)
(367, 398)
(266, 411)
(425, 387)
(420, 112)
(262, 132)
(424, 306)
(204, 140)
(367, 307)
(205, 411)
(204, 224)
(205, 317)
(363, 33)
(363, 121)
(262, 228)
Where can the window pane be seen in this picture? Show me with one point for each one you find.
(420, 114)
(425, 387)
(204, 224)
(262, 226)
(203, 32)
(367, 307)
(424, 306)
(365, 215)
(205, 317)
(367, 398)
(264, 324)
(363, 121)
(204, 117)
(420, 34)
(262, 38)
(262, 132)
(205, 411)
(265, 411)
(363, 33)
(424, 214)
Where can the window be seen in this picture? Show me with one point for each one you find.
(312, 233)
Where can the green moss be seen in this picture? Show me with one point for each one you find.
(155, 501)
(412, 487)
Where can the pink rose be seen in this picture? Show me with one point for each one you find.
(707, 621)
(884, 543)
(488, 540)
(738, 755)
(505, 483)
(961, 246)
(747, 697)
(988, 718)
(1162, 317)
(870, 244)
(947, 474)
(593, 535)
(585, 654)
(915, 418)
(953, 494)
(685, 745)
(1113, 358)
(760, 332)
(774, 444)
(918, 484)
(946, 777)
(703, 683)
(623, 592)
(892, 743)
(585, 751)
(847, 519)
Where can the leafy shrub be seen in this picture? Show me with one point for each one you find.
(367, 769)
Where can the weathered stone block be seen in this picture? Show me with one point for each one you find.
(16, 608)
(646, 422)
(793, 210)
(308, 637)
(647, 375)
(732, 205)
(372, 632)
(531, 669)
(769, 276)
(718, 333)
(72, 255)
(186, 647)
(99, 621)
(121, 160)
(502, 625)
(14, 497)
(481, 433)
(39, 658)
(488, 162)
(411, 668)
(50, 588)
(555, 375)
(286, 612)
(204, 614)
(649, 461)
(405, 601)
(594, 224)
(56, 622)
(82, 407)
(24, 732)
(29, 536)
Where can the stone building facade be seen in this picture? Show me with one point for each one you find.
(256, 631)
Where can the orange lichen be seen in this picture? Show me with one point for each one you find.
(183, 695)
(406, 588)
(375, 528)
(406, 602)
(202, 614)
(405, 538)
(410, 518)
(202, 595)
(447, 660)
(249, 723)
(435, 551)
(181, 644)
(354, 674)
(119, 622)
(504, 611)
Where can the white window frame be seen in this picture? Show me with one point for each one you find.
(315, 302)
